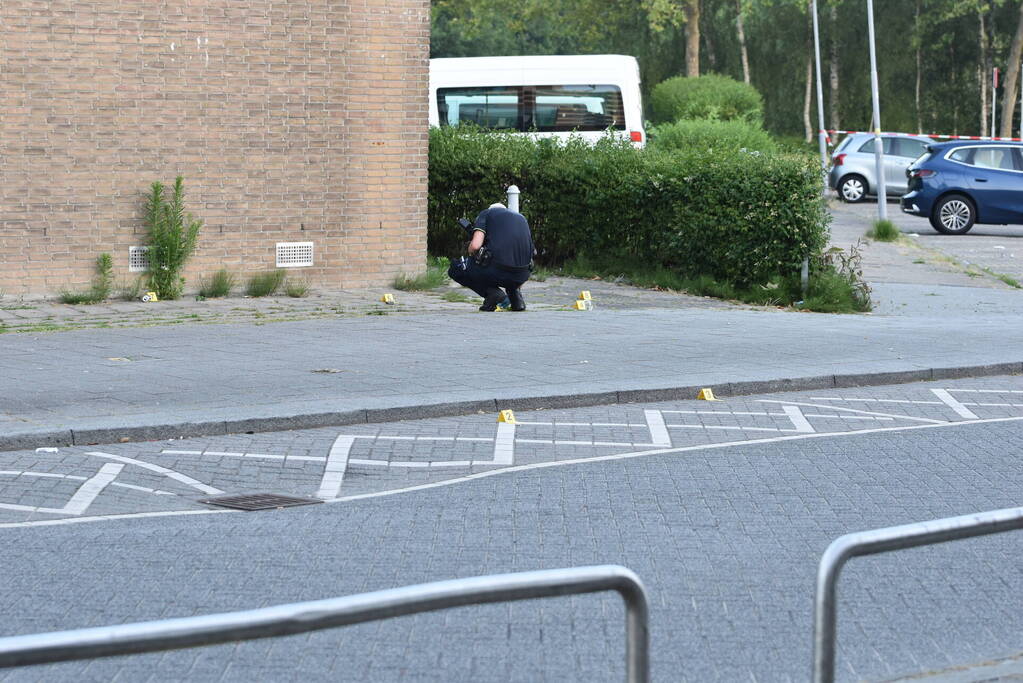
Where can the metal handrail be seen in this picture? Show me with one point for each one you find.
(301, 617)
(881, 541)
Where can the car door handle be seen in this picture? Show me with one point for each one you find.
(980, 180)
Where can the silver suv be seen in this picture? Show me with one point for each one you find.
(852, 172)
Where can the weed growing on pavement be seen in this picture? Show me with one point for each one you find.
(101, 284)
(172, 238)
(1009, 280)
(836, 282)
(454, 296)
(265, 284)
(220, 285)
(130, 291)
(296, 288)
(884, 231)
(436, 275)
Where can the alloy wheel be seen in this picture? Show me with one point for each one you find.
(955, 214)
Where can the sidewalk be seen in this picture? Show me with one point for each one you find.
(330, 367)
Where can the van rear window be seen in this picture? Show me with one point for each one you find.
(542, 108)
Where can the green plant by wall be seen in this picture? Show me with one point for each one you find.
(719, 136)
(219, 285)
(738, 217)
(172, 238)
(706, 97)
(265, 284)
(101, 284)
(295, 288)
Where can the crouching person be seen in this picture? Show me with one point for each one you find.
(500, 256)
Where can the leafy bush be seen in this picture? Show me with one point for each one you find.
(717, 136)
(265, 284)
(101, 284)
(219, 285)
(706, 97)
(172, 238)
(737, 217)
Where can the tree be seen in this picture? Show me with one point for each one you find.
(1011, 76)
(685, 13)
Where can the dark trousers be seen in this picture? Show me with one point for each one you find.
(481, 278)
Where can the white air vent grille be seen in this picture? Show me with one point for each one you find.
(294, 254)
(138, 259)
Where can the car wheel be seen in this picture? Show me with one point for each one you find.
(852, 189)
(953, 215)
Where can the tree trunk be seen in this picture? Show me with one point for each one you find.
(712, 57)
(983, 69)
(835, 101)
(742, 41)
(919, 40)
(691, 10)
(1011, 75)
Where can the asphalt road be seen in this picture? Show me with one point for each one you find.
(723, 509)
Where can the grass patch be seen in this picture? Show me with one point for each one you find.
(435, 276)
(1011, 281)
(884, 231)
(101, 285)
(296, 289)
(220, 285)
(265, 284)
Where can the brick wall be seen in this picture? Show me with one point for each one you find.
(289, 120)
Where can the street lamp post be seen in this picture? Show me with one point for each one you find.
(820, 101)
(882, 195)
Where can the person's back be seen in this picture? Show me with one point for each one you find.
(501, 251)
(508, 237)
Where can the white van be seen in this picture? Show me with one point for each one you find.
(542, 96)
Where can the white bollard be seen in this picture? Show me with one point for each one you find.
(513, 198)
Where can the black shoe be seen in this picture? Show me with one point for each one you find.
(517, 302)
(493, 297)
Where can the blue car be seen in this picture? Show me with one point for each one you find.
(957, 184)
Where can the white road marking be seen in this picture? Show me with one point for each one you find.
(658, 432)
(334, 470)
(228, 454)
(873, 400)
(725, 427)
(853, 410)
(987, 391)
(534, 466)
(504, 444)
(798, 419)
(993, 405)
(955, 405)
(171, 474)
(82, 498)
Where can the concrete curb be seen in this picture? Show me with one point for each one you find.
(82, 437)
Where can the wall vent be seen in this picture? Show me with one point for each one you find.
(294, 254)
(138, 259)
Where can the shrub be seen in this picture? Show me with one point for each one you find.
(883, 231)
(219, 285)
(172, 238)
(101, 284)
(706, 97)
(296, 289)
(436, 275)
(717, 136)
(737, 217)
(265, 284)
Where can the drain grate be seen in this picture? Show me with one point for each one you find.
(258, 501)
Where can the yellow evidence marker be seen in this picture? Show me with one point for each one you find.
(584, 295)
(387, 298)
(582, 305)
(706, 394)
(149, 296)
(506, 416)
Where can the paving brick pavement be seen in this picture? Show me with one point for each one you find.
(727, 541)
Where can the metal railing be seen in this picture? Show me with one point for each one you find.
(882, 541)
(301, 617)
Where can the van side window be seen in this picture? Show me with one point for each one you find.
(564, 108)
(488, 107)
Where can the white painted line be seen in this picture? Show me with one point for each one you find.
(50, 474)
(720, 412)
(228, 454)
(171, 474)
(372, 463)
(308, 458)
(799, 421)
(740, 429)
(504, 445)
(987, 391)
(334, 470)
(994, 405)
(84, 496)
(169, 452)
(955, 405)
(873, 400)
(451, 463)
(850, 417)
(658, 432)
(407, 463)
(853, 410)
(531, 466)
(547, 441)
(621, 443)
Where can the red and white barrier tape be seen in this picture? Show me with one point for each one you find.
(921, 135)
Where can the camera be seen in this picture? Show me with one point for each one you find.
(482, 257)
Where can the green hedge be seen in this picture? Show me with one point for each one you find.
(719, 136)
(742, 217)
(706, 97)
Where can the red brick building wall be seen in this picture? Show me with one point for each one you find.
(298, 120)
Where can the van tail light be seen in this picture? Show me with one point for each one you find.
(839, 158)
(636, 136)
